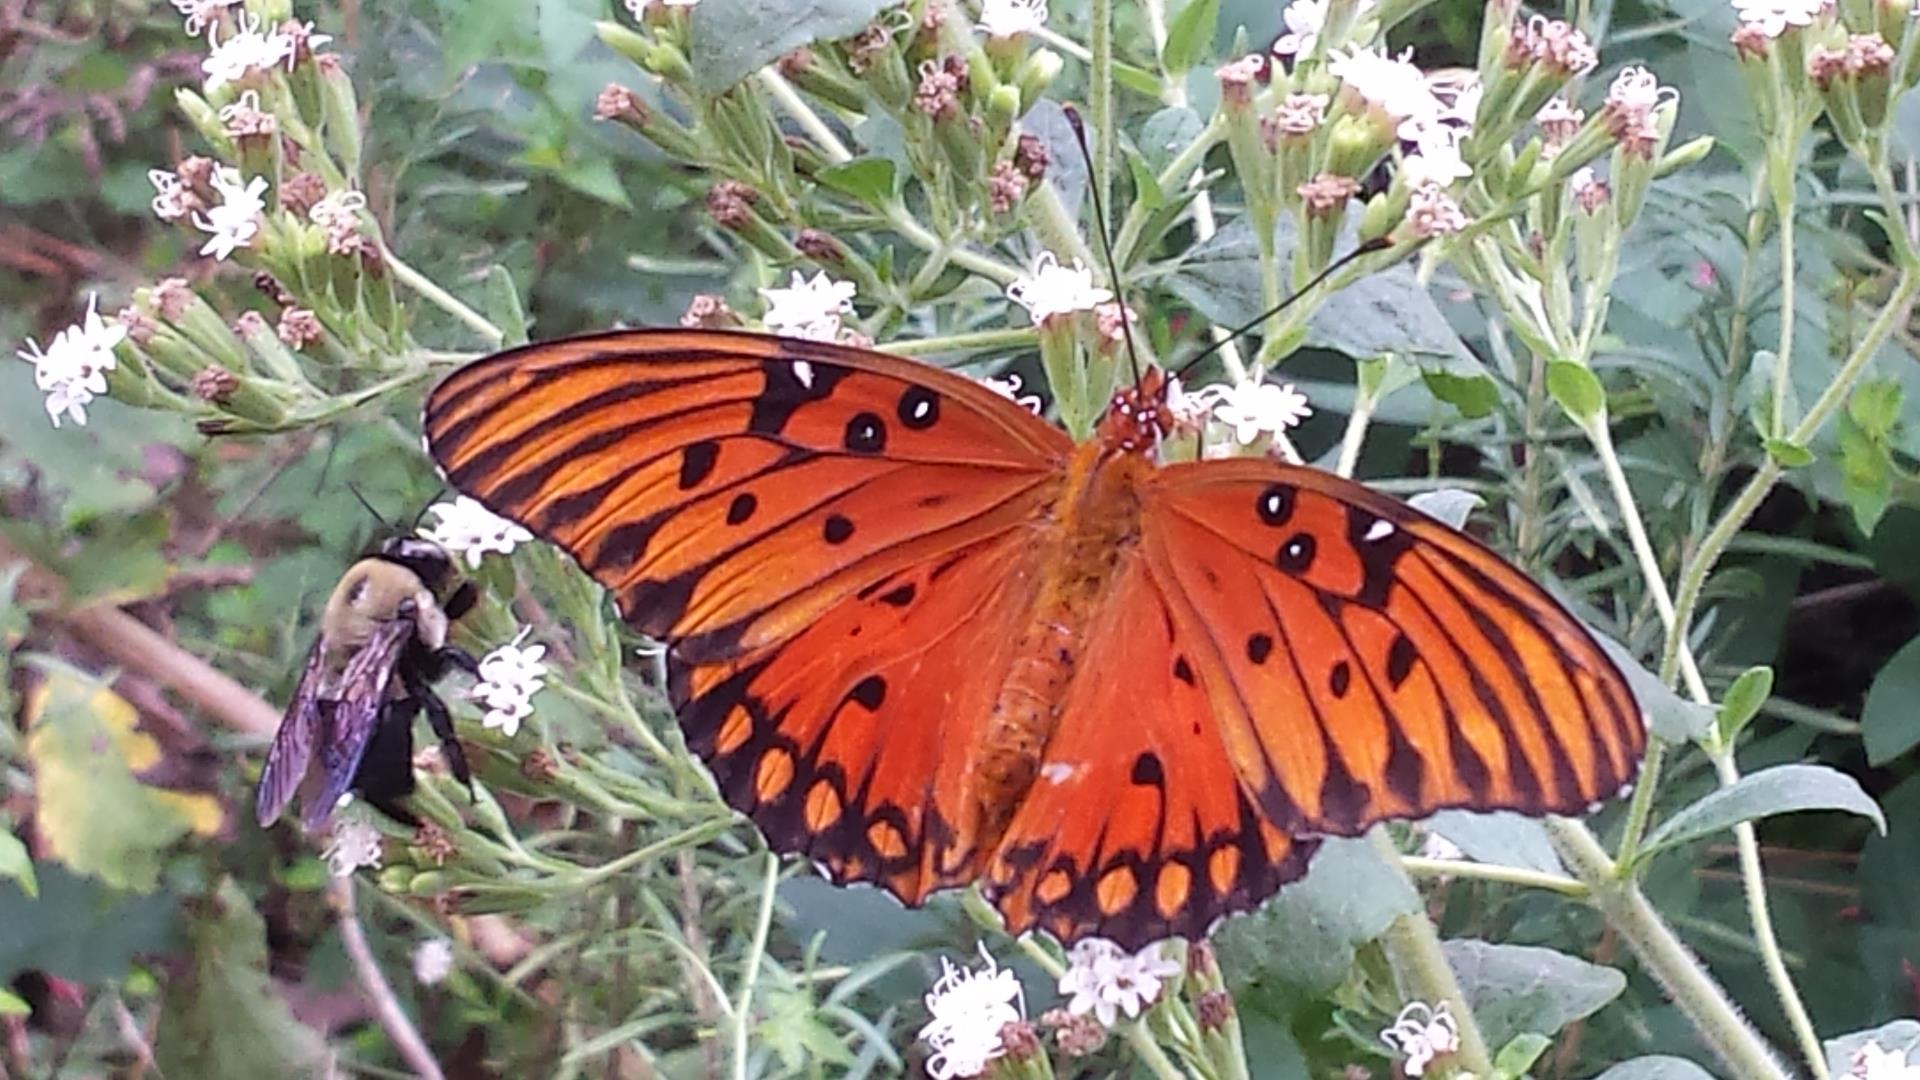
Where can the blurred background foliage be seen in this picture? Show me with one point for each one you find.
(482, 152)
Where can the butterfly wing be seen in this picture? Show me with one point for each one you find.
(835, 543)
(731, 488)
(1365, 661)
(1138, 827)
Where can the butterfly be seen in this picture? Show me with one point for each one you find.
(922, 637)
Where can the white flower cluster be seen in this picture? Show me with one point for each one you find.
(1248, 409)
(351, 845)
(1054, 289)
(967, 1009)
(432, 961)
(1011, 18)
(73, 369)
(470, 530)
(1875, 1062)
(1423, 1033)
(1773, 17)
(1106, 981)
(509, 677)
(1009, 386)
(808, 309)
(236, 221)
(1305, 19)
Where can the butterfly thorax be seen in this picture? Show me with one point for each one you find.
(1093, 530)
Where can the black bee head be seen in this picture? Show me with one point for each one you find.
(427, 559)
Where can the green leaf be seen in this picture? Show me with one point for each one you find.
(1474, 396)
(1306, 936)
(1742, 702)
(1656, 1067)
(1166, 133)
(1891, 720)
(1515, 1058)
(1577, 390)
(869, 179)
(1501, 838)
(1146, 186)
(1900, 1037)
(1875, 406)
(734, 38)
(17, 863)
(1189, 35)
(1669, 716)
(80, 929)
(1790, 455)
(503, 306)
(1782, 789)
(1449, 505)
(223, 1020)
(95, 814)
(1515, 989)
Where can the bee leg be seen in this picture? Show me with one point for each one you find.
(458, 657)
(385, 776)
(441, 720)
(461, 601)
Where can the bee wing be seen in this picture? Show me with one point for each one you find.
(292, 745)
(354, 714)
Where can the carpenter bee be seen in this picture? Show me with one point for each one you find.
(382, 645)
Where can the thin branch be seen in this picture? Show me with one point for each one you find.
(386, 1006)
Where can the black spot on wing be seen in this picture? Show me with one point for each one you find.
(1148, 771)
(697, 461)
(1400, 657)
(1296, 555)
(1275, 504)
(787, 389)
(866, 434)
(742, 508)
(919, 408)
(869, 692)
(837, 530)
(1379, 552)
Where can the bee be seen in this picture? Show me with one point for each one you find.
(381, 647)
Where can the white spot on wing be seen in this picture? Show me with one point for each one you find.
(1058, 772)
(1379, 530)
(804, 372)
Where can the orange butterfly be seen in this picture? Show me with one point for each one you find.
(923, 638)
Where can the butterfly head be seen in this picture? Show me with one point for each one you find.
(1137, 418)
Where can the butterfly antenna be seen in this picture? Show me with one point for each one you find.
(377, 515)
(1106, 246)
(1378, 243)
(421, 515)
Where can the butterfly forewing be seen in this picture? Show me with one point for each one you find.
(729, 487)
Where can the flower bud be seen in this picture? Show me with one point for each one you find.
(1037, 74)
(340, 113)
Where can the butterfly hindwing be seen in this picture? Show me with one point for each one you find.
(1137, 827)
(1369, 662)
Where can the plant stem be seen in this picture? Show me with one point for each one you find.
(803, 114)
(1783, 356)
(1692, 989)
(1018, 337)
(433, 294)
(1100, 103)
(1504, 875)
(1420, 966)
(386, 1006)
(756, 949)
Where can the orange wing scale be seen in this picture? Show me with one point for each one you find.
(846, 552)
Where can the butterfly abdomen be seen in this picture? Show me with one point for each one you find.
(1095, 530)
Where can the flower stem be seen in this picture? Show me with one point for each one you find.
(803, 114)
(750, 971)
(1504, 875)
(1017, 337)
(1413, 947)
(1689, 985)
(432, 293)
(1100, 103)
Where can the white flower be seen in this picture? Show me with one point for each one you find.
(1105, 981)
(244, 53)
(1253, 408)
(245, 117)
(471, 530)
(1432, 212)
(1305, 19)
(1009, 388)
(73, 369)
(509, 677)
(1391, 84)
(433, 961)
(1772, 17)
(808, 309)
(352, 845)
(638, 8)
(1440, 849)
(1436, 156)
(1871, 1062)
(967, 1009)
(1635, 90)
(201, 14)
(236, 221)
(1423, 1033)
(1189, 408)
(1009, 18)
(174, 200)
(1057, 290)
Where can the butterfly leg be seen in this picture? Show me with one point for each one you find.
(458, 657)
(440, 718)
